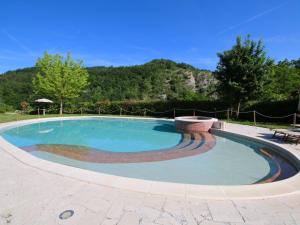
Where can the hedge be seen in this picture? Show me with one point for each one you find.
(202, 108)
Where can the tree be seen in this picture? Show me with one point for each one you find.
(61, 78)
(283, 82)
(296, 64)
(241, 71)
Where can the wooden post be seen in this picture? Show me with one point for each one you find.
(120, 111)
(194, 113)
(295, 119)
(254, 117)
(174, 112)
(227, 115)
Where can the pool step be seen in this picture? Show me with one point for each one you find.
(191, 144)
(200, 142)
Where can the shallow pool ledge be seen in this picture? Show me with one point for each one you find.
(255, 191)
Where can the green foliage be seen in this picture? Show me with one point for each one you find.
(62, 79)
(16, 86)
(274, 108)
(241, 71)
(283, 82)
(162, 84)
(162, 108)
(25, 106)
(5, 108)
(156, 80)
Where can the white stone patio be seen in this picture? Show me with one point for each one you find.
(31, 196)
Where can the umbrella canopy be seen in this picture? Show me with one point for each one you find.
(43, 100)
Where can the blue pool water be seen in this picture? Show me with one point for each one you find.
(117, 135)
(220, 161)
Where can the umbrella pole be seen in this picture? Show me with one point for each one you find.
(38, 110)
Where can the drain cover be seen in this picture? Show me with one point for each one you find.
(66, 214)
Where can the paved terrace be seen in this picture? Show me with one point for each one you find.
(30, 196)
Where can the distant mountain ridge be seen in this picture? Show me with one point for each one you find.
(157, 79)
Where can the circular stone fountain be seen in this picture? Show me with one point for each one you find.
(192, 124)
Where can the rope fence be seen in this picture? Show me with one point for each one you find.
(228, 113)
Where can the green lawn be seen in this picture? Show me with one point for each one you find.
(261, 124)
(14, 117)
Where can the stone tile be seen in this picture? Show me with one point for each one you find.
(224, 211)
(154, 201)
(214, 223)
(110, 222)
(129, 218)
(148, 214)
(115, 211)
(147, 223)
(167, 219)
(296, 217)
(200, 211)
(264, 210)
(251, 223)
(179, 210)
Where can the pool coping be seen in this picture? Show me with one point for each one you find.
(218, 192)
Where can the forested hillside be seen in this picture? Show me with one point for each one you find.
(158, 79)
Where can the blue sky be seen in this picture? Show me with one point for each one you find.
(128, 32)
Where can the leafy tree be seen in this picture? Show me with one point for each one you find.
(241, 71)
(296, 63)
(283, 82)
(158, 79)
(16, 86)
(59, 78)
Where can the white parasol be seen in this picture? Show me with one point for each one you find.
(43, 100)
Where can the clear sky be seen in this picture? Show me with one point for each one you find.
(128, 32)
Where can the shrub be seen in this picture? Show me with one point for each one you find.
(25, 107)
(5, 108)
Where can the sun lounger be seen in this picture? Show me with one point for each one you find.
(282, 132)
(293, 136)
(288, 134)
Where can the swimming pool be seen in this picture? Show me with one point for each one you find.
(151, 150)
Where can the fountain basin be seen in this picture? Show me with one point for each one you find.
(192, 124)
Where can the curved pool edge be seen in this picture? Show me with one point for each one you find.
(254, 191)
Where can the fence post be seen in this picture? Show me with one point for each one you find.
(194, 113)
(254, 117)
(174, 112)
(295, 119)
(120, 111)
(227, 115)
